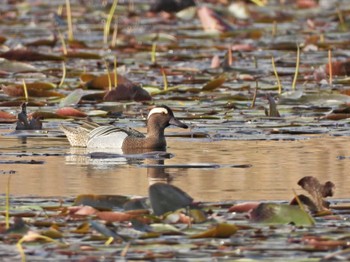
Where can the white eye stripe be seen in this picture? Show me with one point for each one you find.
(157, 110)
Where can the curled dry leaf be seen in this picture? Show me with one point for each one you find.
(211, 21)
(243, 207)
(317, 191)
(85, 211)
(215, 62)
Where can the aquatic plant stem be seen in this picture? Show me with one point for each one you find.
(64, 47)
(330, 67)
(125, 249)
(109, 241)
(115, 72)
(342, 23)
(114, 36)
(25, 90)
(274, 28)
(109, 77)
(256, 83)
(31, 237)
(7, 206)
(109, 21)
(165, 80)
(69, 21)
(64, 72)
(296, 68)
(258, 2)
(153, 53)
(276, 75)
(229, 53)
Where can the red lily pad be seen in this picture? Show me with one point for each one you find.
(70, 111)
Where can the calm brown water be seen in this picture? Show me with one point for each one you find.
(276, 168)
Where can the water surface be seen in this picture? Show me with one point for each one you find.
(276, 167)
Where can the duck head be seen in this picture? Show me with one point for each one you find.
(162, 117)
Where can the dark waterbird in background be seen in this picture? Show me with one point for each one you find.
(25, 123)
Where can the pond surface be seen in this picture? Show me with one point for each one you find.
(207, 170)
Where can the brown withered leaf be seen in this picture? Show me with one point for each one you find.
(127, 92)
(37, 89)
(43, 42)
(19, 103)
(339, 68)
(338, 116)
(102, 81)
(82, 55)
(2, 39)
(29, 55)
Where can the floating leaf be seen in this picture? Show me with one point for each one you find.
(215, 83)
(115, 216)
(70, 111)
(127, 92)
(102, 82)
(15, 67)
(271, 213)
(73, 98)
(6, 115)
(82, 55)
(222, 230)
(37, 89)
(101, 202)
(164, 228)
(167, 198)
(159, 37)
(28, 55)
